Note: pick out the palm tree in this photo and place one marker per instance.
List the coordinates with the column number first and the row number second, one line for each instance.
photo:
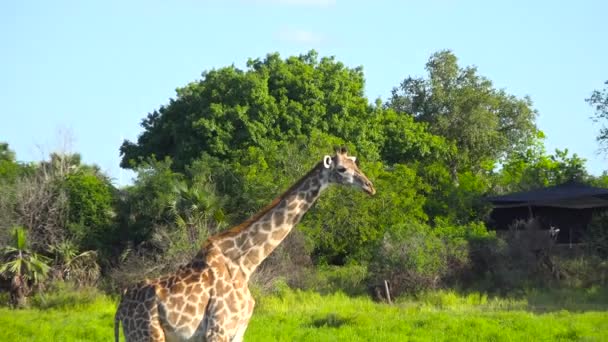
column 80, row 268
column 24, row 268
column 196, row 211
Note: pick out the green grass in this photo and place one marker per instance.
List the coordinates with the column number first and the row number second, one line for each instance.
column 290, row 315
column 438, row 316
column 92, row 321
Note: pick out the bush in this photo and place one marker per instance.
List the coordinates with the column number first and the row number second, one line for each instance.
column 417, row 257
column 411, row 258
column 62, row 295
column 597, row 234
column 526, row 256
column 349, row 279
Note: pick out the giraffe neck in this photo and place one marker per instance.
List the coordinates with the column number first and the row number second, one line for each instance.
column 248, row 244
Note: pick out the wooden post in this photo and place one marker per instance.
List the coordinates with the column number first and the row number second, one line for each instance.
column 388, row 293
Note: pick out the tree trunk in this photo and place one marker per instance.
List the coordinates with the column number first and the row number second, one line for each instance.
column 18, row 292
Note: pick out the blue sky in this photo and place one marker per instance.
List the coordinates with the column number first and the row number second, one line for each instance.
column 96, row 68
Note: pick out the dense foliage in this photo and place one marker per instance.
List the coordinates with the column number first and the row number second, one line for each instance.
column 235, row 139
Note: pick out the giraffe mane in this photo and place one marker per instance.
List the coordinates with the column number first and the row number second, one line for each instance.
column 248, row 222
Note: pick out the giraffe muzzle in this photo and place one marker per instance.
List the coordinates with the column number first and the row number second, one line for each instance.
column 369, row 188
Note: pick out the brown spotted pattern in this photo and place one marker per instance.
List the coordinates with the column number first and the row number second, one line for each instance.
column 208, row 299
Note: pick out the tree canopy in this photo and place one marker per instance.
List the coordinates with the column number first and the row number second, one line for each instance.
column 274, row 99
column 485, row 124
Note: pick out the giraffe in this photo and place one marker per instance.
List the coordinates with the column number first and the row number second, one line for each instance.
column 208, row 299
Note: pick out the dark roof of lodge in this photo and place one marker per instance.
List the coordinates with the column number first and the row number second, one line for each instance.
column 568, row 195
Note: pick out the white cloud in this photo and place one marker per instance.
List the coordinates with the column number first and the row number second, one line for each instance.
column 300, row 36
column 310, row 3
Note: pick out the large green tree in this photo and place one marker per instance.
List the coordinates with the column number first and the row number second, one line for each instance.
column 273, row 99
column 484, row 123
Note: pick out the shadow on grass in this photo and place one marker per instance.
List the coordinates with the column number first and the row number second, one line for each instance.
column 576, row 300
column 332, row 320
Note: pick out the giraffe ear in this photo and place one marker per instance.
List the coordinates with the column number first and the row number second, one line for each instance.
column 327, row 161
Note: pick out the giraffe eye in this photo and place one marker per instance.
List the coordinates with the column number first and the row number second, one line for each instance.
column 341, row 169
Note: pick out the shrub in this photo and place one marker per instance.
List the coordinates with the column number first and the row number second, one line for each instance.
column 411, row 258
column 62, row 295
column 349, row 279
column 415, row 257
column 597, row 234
column 90, row 209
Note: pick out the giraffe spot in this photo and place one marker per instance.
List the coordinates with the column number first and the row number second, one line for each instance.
column 227, row 244
column 173, row 317
column 232, row 297
column 223, row 287
column 184, row 320
column 248, row 264
column 149, row 305
column 279, row 218
column 197, row 289
column 254, row 258
column 292, row 206
column 190, row 308
column 304, row 206
column 268, row 248
column 177, row 288
column 248, row 244
column 232, row 305
column 241, row 239
column 258, row 239
column 219, row 306
column 140, row 309
column 231, row 325
column 279, row 234
column 163, row 294
column 177, row 302
column 193, row 278
column 185, row 272
column 192, row 299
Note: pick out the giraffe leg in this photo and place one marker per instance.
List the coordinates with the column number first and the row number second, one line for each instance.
column 216, row 321
column 240, row 333
column 216, row 334
column 238, row 337
column 156, row 333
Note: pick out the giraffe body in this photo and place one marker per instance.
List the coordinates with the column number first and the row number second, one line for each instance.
column 208, row 299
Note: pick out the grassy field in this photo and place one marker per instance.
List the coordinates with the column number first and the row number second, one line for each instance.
column 305, row 316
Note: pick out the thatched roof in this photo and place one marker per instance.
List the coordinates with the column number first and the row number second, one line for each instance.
column 568, row 195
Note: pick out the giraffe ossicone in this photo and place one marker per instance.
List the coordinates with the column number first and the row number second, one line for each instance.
column 208, row 299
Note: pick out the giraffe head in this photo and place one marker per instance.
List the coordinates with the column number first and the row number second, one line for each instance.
column 343, row 169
